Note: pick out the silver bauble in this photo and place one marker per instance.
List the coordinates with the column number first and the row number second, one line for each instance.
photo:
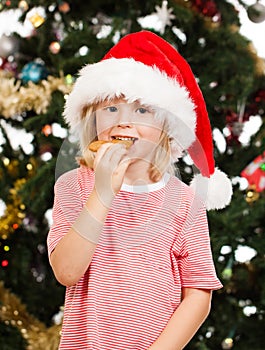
column 256, row 12
column 8, row 45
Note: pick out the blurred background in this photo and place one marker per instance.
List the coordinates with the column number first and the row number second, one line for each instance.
column 43, row 44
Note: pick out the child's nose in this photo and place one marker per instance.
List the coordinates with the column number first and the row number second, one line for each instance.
column 124, row 120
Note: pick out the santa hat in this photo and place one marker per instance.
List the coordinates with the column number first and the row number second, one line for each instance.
column 144, row 67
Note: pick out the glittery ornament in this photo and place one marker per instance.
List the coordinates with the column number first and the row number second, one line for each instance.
column 33, row 71
column 256, row 12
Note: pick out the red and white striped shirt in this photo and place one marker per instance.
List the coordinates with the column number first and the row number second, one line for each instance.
column 154, row 242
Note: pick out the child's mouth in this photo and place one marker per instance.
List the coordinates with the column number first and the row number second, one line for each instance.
column 124, row 138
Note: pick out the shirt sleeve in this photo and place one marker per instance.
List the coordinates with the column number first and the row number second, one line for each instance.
column 67, row 206
column 192, row 251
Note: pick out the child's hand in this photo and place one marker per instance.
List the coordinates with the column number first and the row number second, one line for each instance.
column 110, row 166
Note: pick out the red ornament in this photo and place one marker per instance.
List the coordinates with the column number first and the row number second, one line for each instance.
column 255, row 173
column 235, row 127
column 206, row 7
column 4, row 263
column 7, row 66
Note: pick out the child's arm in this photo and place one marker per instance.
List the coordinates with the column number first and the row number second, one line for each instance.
column 185, row 321
column 73, row 254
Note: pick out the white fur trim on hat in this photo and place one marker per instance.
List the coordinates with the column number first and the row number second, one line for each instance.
column 215, row 191
column 136, row 81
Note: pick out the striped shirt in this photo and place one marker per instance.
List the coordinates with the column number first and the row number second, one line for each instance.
column 154, row 242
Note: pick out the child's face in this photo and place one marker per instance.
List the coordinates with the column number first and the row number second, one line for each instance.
column 121, row 120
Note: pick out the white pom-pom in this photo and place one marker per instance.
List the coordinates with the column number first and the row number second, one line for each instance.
column 215, row 191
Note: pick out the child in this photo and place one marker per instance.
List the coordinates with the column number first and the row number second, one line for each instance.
column 129, row 240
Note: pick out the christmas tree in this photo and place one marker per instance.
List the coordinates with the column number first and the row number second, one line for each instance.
column 39, row 59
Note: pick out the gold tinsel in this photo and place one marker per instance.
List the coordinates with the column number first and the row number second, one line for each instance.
column 37, row 335
column 16, row 98
column 14, row 212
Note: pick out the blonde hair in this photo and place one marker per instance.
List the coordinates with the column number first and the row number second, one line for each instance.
column 162, row 161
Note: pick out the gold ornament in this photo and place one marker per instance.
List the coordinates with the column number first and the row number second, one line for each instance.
column 37, row 20
column 15, row 98
column 37, row 335
column 252, row 195
column 14, row 211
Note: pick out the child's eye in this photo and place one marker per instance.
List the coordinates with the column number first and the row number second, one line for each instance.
column 111, row 109
column 142, row 110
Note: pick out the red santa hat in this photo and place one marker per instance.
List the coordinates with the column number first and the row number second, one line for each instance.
column 144, row 67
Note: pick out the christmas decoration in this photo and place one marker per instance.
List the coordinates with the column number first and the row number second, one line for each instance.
column 23, row 5
column 164, row 16
column 255, row 173
column 8, row 66
column 16, row 99
column 47, row 130
column 235, row 123
column 33, row 71
column 251, row 195
column 207, row 8
column 37, row 335
column 14, row 213
column 8, row 45
column 256, row 12
column 37, row 20
column 64, row 7
column 55, row 47
column 227, row 343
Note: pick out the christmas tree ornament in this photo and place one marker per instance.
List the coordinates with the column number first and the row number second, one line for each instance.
column 164, row 16
column 33, row 71
column 256, row 12
column 14, row 312
column 227, row 343
column 8, row 66
column 251, row 195
column 255, row 173
column 47, row 130
column 69, row 79
column 9, row 45
column 23, row 5
column 207, row 8
column 36, row 19
column 235, row 127
column 55, row 47
column 64, row 7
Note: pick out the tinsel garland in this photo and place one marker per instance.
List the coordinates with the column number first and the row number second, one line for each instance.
column 14, row 212
column 16, row 98
column 37, row 335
